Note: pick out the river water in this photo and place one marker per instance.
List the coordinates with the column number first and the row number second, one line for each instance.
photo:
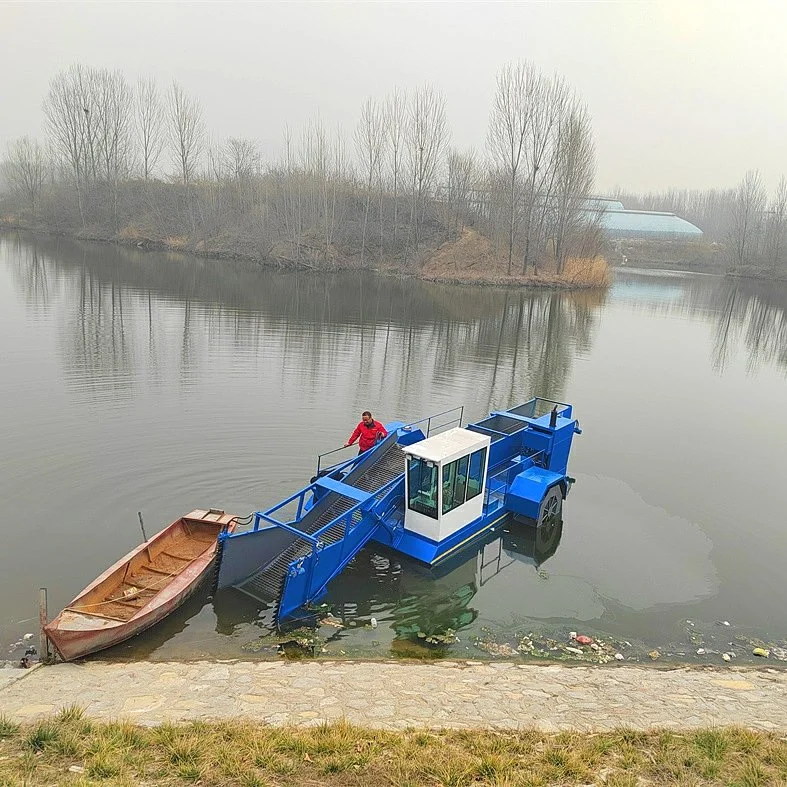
column 153, row 382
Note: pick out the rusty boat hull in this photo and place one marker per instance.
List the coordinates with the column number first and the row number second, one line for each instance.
column 142, row 588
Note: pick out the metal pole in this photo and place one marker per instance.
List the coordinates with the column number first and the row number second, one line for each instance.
column 142, row 525
column 43, row 618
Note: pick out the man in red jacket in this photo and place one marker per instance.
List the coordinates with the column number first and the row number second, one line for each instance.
column 369, row 430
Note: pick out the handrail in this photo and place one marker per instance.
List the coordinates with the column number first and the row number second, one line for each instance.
column 495, row 477
column 347, row 462
column 429, row 418
column 328, row 453
column 345, row 519
column 350, row 511
column 312, row 539
column 551, row 401
column 266, row 515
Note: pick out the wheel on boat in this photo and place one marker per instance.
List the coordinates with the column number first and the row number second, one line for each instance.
column 551, row 512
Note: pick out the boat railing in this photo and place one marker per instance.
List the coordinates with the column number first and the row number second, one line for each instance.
column 288, row 526
column 452, row 417
column 498, row 483
column 266, row 516
column 348, row 521
column 539, row 406
column 345, row 520
column 333, row 451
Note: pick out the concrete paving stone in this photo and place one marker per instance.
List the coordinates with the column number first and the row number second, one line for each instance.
column 393, row 695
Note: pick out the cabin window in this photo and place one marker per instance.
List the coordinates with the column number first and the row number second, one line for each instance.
column 475, row 475
column 422, row 486
column 454, row 483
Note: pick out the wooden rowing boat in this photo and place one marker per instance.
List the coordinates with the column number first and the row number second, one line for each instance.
column 141, row 588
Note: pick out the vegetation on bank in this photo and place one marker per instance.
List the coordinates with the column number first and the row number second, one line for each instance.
column 72, row 750
column 745, row 228
column 451, row 262
column 133, row 164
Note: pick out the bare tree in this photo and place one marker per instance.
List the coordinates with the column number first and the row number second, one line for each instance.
column 241, row 162
column 549, row 102
column 149, row 125
column 508, row 128
column 777, row 222
column 395, row 126
column 67, row 117
column 341, row 173
column 747, row 209
column 462, row 176
column 427, row 137
column 241, row 158
column 369, row 147
column 113, row 101
column 186, row 132
column 574, row 176
column 25, row 167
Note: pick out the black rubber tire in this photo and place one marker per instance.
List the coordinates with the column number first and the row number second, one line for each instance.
column 551, row 511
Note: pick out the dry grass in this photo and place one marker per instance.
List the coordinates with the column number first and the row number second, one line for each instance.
column 176, row 242
column 131, row 233
column 589, row 272
column 471, row 259
column 247, row 755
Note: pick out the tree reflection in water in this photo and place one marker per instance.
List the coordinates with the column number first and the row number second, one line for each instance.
column 407, row 334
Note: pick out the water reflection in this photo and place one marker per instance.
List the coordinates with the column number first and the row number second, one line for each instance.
column 417, row 601
column 744, row 313
column 158, row 382
column 755, row 311
column 409, row 596
column 513, row 344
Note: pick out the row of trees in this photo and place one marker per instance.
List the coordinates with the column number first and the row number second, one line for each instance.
column 136, row 159
column 750, row 223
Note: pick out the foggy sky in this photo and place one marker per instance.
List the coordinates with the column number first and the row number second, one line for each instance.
column 686, row 93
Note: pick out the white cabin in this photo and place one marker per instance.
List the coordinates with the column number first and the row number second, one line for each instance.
column 445, row 482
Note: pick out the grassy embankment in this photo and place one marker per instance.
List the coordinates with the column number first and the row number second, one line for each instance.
column 71, row 750
column 470, row 259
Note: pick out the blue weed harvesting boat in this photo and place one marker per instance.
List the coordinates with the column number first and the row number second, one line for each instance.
column 428, row 490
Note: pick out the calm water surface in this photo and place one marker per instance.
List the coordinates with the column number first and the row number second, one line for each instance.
column 140, row 381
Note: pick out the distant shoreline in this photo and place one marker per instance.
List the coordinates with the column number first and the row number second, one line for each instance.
column 549, row 282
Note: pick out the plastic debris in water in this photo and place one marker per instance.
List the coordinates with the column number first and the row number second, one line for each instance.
column 726, row 657
column 762, row 652
column 654, row 654
column 779, row 653
column 700, row 651
column 583, row 640
column 575, row 651
column 27, row 636
column 619, row 657
column 373, row 621
column 572, row 634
